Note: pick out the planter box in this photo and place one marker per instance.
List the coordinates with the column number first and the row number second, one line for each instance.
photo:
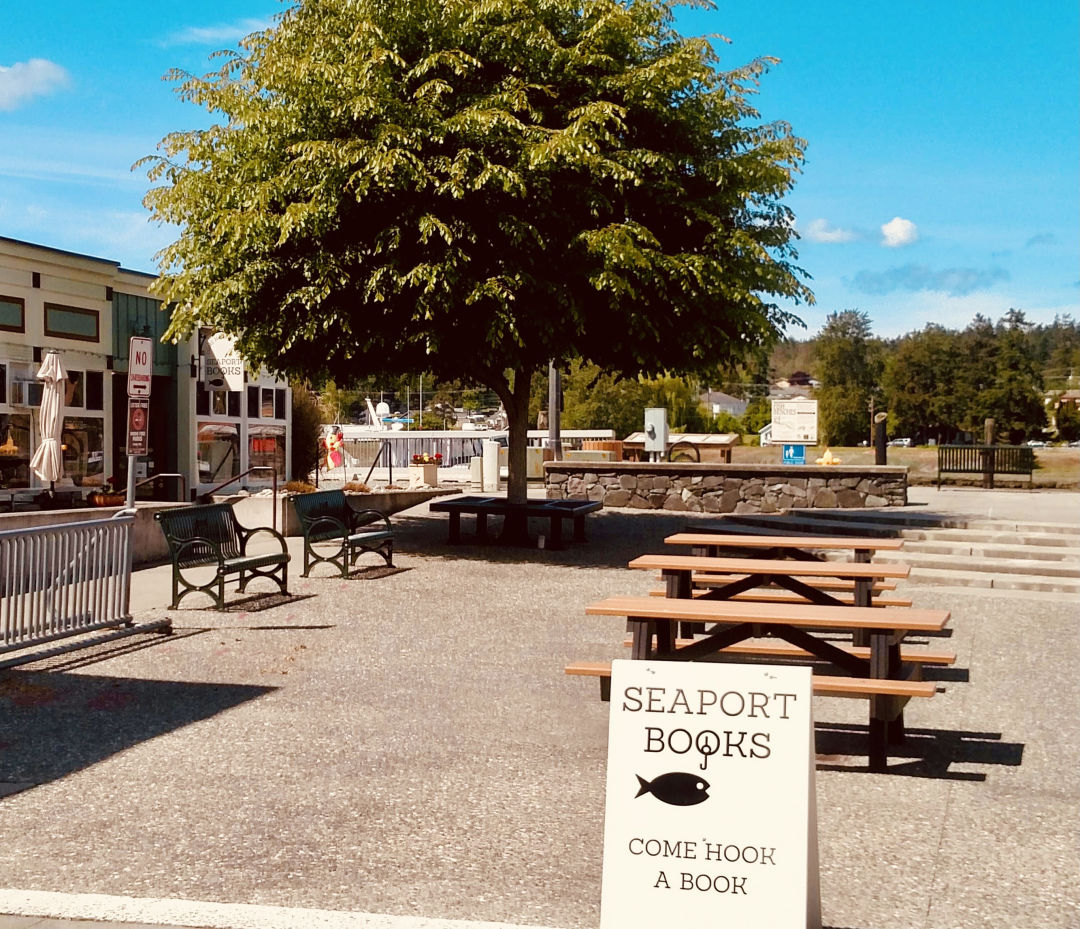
column 424, row 474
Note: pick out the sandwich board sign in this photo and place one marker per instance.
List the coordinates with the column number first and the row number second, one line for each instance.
column 710, row 817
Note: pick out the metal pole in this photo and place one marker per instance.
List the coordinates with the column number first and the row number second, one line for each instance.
column 554, row 424
column 130, row 496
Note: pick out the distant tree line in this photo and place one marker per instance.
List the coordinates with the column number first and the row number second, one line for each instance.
column 935, row 384
column 943, row 384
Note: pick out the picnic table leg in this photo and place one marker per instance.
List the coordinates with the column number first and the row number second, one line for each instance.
column 555, row 530
column 481, row 526
column 886, row 713
column 678, row 587
column 642, row 630
column 579, row 528
column 455, row 531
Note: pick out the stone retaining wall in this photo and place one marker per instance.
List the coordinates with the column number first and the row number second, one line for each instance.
column 718, row 488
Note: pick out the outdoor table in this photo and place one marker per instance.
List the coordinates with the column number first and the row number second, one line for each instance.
column 800, row 547
column 554, row 511
column 679, row 570
column 883, row 676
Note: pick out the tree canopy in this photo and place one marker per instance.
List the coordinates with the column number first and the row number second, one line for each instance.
column 475, row 188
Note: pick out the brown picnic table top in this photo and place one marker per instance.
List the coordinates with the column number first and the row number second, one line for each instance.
column 750, row 573
column 767, row 566
column 805, row 546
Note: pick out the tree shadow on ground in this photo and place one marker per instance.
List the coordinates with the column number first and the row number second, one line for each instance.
column 613, row 539
column 924, row 752
column 55, row 723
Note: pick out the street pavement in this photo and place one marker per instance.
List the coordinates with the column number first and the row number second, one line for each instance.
column 401, row 750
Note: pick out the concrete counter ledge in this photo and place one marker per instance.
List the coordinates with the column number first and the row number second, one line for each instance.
column 707, row 487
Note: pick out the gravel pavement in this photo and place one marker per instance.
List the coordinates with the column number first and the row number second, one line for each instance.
column 405, row 743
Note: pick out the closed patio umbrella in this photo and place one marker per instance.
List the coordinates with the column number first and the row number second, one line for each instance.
column 48, row 463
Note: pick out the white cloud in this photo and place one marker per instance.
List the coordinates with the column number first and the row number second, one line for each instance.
column 27, row 79
column 228, row 33
column 898, row 232
column 820, row 231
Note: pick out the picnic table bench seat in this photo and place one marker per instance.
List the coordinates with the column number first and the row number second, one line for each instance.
column 825, row 685
column 209, row 535
column 779, row 595
column 326, row 516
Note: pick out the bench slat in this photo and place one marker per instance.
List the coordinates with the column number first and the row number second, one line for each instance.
column 719, row 580
column 781, row 649
column 845, row 569
column 793, row 614
column 783, row 541
column 781, row 596
column 823, row 684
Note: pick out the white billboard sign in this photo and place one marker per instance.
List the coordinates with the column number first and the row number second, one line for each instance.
column 794, row 421
column 710, row 815
column 223, row 368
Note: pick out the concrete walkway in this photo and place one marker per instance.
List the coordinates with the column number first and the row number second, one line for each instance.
column 401, row 750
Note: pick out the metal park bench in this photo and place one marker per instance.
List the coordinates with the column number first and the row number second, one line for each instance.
column 327, row 516
column 211, row 536
column 988, row 460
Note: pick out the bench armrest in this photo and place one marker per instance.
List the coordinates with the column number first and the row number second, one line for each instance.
column 358, row 519
column 247, row 534
column 311, row 525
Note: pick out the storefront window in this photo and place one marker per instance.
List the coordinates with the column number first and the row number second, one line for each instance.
column 266, row 449
column 73, row 389
column 219, row 452
column 14, row 450
column 83, row 450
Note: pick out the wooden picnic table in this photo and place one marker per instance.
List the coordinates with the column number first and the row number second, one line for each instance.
column 554, row 511
column 879, row 672
column 801, row 547
column 748, row 573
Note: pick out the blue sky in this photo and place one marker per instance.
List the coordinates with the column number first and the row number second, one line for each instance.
column 943, row 164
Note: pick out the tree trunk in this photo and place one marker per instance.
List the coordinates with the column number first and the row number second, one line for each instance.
column 516, row 525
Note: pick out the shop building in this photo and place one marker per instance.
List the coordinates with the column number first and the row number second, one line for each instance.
column 87, row 309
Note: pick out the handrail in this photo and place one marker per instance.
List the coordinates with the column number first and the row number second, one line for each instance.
column 273, row 472
column 154, row 477
column 378, row 455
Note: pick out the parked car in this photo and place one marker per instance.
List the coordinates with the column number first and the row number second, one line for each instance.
column 1036, row 443
column 902, row 443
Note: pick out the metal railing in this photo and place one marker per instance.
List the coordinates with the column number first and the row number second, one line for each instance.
column 232, row 480
column 65, row 580
column 156, row 477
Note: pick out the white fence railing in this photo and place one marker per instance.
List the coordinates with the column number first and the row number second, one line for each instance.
column 65, row 580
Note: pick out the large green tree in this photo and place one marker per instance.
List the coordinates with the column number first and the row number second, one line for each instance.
column 922, row 383
column 474, row 188
column 849, row 367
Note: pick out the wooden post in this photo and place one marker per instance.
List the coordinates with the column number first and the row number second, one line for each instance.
column 988, row 454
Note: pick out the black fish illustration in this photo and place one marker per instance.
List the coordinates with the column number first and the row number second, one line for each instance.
column 676, row 788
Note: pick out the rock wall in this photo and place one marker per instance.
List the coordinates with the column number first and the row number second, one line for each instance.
column 718, row 488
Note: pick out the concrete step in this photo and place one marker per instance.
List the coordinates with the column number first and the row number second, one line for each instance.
column 977, row 536
column 999, row 567
column 933, row 577
column 974, row 548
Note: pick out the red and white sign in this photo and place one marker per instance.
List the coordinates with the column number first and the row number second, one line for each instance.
column 138, row 425
column 140, row 366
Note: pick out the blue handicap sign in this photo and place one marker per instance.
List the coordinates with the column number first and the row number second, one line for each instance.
column 794, row 454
